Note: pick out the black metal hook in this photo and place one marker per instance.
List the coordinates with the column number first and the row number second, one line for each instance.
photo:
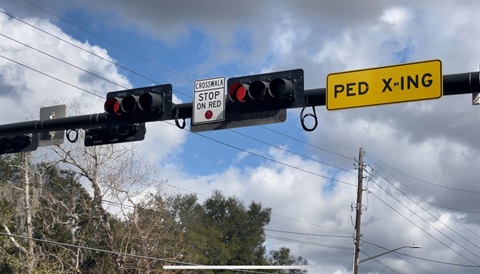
column 176, row 120
column 69, row 131
column 302, row 119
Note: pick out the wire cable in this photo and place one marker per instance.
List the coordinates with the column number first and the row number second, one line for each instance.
column 105, row 59
column 110, row 42
column 323, row 138
column 424, row 231
column 423, row 259
column 277, row 161
column 429, row 213
column 96, row 249
column 312, row 224
column 303, row 142
column 53, row 77
column 291, row 152
column 307, row 234
column 113, row 252
column 375, row 160
column 65, row 62
column 85, row 50
column 204, row 136
column 307, row 242
column 381, row 263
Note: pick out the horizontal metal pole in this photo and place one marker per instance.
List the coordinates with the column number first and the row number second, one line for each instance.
column 453, row 84
column 74, row 122
column 461, row 83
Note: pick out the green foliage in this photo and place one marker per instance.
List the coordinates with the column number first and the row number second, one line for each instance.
column 9, row 170
column 220, row 231
column 223, row 231
column 282, row 256
column 10, row 174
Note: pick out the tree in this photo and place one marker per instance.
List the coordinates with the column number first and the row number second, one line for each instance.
column 63, row 217
column 282, row 256
column 70, row 202
column 151, row 231
column 222, row 231
column 118, row 177
column 18, row 191
column 43, row 202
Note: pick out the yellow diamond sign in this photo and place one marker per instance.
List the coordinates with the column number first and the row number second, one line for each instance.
column 385, row 85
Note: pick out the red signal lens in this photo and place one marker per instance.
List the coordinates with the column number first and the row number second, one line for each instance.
column 112, row 106
column 237, row 92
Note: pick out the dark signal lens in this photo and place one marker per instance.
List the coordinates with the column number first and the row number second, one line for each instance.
column 281, row 88
column 257, row 90
column 150, row 101
column 129, row 104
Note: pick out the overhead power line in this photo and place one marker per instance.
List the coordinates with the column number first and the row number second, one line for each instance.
column 117, row 45
column 424, row 259
column 308, row 243
column 381, row 263
column 276, row 161
column 375, row 160
column 107, row 60
column 85, row 50
column 53, row 77
column 65, row 62
column 291, row 152
column 424, row 231
column 428, row 212
column 308, row 234
column 112, row 252
column 97, row 249
column 306, row 143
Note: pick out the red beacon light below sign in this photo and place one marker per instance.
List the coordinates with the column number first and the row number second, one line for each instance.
column 208, row 114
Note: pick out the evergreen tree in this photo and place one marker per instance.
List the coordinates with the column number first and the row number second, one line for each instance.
column 222, row 231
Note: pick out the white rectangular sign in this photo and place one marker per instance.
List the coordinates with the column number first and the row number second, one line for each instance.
column 209, row 101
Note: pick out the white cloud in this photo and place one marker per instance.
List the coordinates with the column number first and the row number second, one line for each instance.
column 395, row 16
column 25, row 85
column 35, row 74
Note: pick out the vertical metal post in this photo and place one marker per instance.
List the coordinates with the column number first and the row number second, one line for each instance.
column 359, row 211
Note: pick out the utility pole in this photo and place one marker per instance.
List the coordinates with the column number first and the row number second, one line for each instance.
column 358, row 217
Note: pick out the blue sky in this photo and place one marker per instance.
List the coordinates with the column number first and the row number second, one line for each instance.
column 428, row 150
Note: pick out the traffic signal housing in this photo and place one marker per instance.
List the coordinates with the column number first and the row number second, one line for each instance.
column 128, row 110
column 18, row 143
column 260, row 99
column 265, row 92
column 140, row 105
column 114, row 134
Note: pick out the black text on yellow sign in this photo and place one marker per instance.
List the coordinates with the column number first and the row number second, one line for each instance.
column 385, row 85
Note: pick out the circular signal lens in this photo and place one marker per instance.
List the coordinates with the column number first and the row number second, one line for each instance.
column 129, row 104
column 112, row 106
column 150, row 101
column 145, row 101
column 257, row 90
column 281, row 88
column 237, row 92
